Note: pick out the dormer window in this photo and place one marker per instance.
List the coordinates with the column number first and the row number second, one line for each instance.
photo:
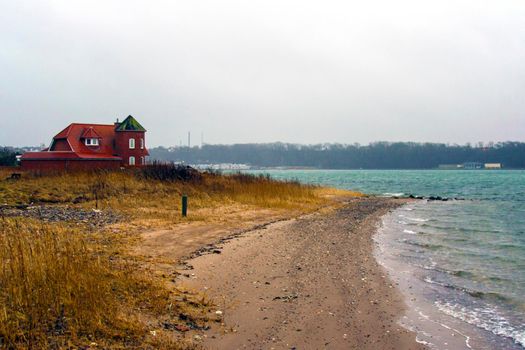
column 91, row 142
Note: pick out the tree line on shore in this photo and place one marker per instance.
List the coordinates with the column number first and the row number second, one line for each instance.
column 377, row 155
column 8, row 156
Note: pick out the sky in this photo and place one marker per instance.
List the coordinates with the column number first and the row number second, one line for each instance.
column 295, row 71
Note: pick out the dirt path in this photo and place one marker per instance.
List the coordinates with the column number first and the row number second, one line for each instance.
column 310, row 283
column 163, row 249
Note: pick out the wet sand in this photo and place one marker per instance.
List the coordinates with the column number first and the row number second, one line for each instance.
column 306, row 283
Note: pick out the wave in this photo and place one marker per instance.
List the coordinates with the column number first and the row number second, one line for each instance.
column 418, row 219
column 473, row 276
column 488, row 318
column 389, row 194
column 466, row 233
column 419, row 244
column 473, row 293
column 461, row 273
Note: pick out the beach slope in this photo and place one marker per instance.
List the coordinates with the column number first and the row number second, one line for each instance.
column 307, row 283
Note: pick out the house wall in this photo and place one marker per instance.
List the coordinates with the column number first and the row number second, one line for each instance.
column 69, row 164
column 122, row 146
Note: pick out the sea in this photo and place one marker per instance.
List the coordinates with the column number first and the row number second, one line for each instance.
column 459, row 263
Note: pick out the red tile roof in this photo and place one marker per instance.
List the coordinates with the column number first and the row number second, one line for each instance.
column 75, row 134
column 59, row 155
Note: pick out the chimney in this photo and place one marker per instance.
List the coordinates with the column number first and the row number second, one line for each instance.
column 117, row 123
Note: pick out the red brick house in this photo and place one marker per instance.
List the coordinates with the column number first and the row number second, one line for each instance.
column 92, row 146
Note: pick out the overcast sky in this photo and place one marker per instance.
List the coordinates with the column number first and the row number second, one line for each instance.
column 262, row 71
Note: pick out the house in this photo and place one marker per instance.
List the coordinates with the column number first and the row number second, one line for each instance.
column 491, row 166
column 473, row 165
column 92, row 146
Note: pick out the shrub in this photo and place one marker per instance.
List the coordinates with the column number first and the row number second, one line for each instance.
column 169, row 172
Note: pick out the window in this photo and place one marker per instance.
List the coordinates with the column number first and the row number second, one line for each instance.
column 131, row 160
column 142, row 161
column 141, row 143
column 91, row 142
column 131, row 143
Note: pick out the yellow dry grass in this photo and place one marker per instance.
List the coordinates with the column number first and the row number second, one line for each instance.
column 64, row 286
column 61, row 288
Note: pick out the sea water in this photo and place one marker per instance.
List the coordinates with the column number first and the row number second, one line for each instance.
column 461, row 262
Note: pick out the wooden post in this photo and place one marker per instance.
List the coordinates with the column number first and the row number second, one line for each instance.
column 184, row 205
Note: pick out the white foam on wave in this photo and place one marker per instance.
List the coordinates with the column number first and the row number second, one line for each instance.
column 389, row 194
column 410, row 232
column 485, row 318
column 417, row 219
column 430, row 280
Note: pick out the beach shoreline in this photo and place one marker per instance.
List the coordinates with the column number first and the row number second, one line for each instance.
column 309, row 282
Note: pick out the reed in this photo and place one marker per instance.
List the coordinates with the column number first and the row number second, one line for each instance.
column 155, row 192
column 60, row 288
column 67, row 286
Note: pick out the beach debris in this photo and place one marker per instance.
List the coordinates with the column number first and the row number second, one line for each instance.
column 215, row 248
column 436, row 198
column 286, row 298
column 187, row 325
column 218, row 313
column 182, row 328
column 94, row 218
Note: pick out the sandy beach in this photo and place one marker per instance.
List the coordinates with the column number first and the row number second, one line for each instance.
column 305, row 283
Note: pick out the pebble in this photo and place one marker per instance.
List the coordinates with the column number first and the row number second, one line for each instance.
column 54, row 213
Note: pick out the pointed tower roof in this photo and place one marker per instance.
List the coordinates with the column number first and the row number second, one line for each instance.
column 130, row 124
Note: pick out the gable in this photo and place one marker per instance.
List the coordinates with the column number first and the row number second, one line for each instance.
column 90, row 133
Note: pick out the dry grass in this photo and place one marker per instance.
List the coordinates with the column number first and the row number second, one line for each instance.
column 63, row 286
column 159, row 201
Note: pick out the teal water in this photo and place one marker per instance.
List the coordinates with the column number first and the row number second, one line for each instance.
column 468, row 255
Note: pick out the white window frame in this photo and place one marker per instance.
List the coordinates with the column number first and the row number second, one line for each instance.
column 91, row 142
column 141, row 143
column 131, row 143
column 131, row 160
column 142, row 160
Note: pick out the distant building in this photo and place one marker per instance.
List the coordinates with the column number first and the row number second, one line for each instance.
column 222, row 166
column 493, row 166
column 92, row 146
column 450, row 166
column 473, row 165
